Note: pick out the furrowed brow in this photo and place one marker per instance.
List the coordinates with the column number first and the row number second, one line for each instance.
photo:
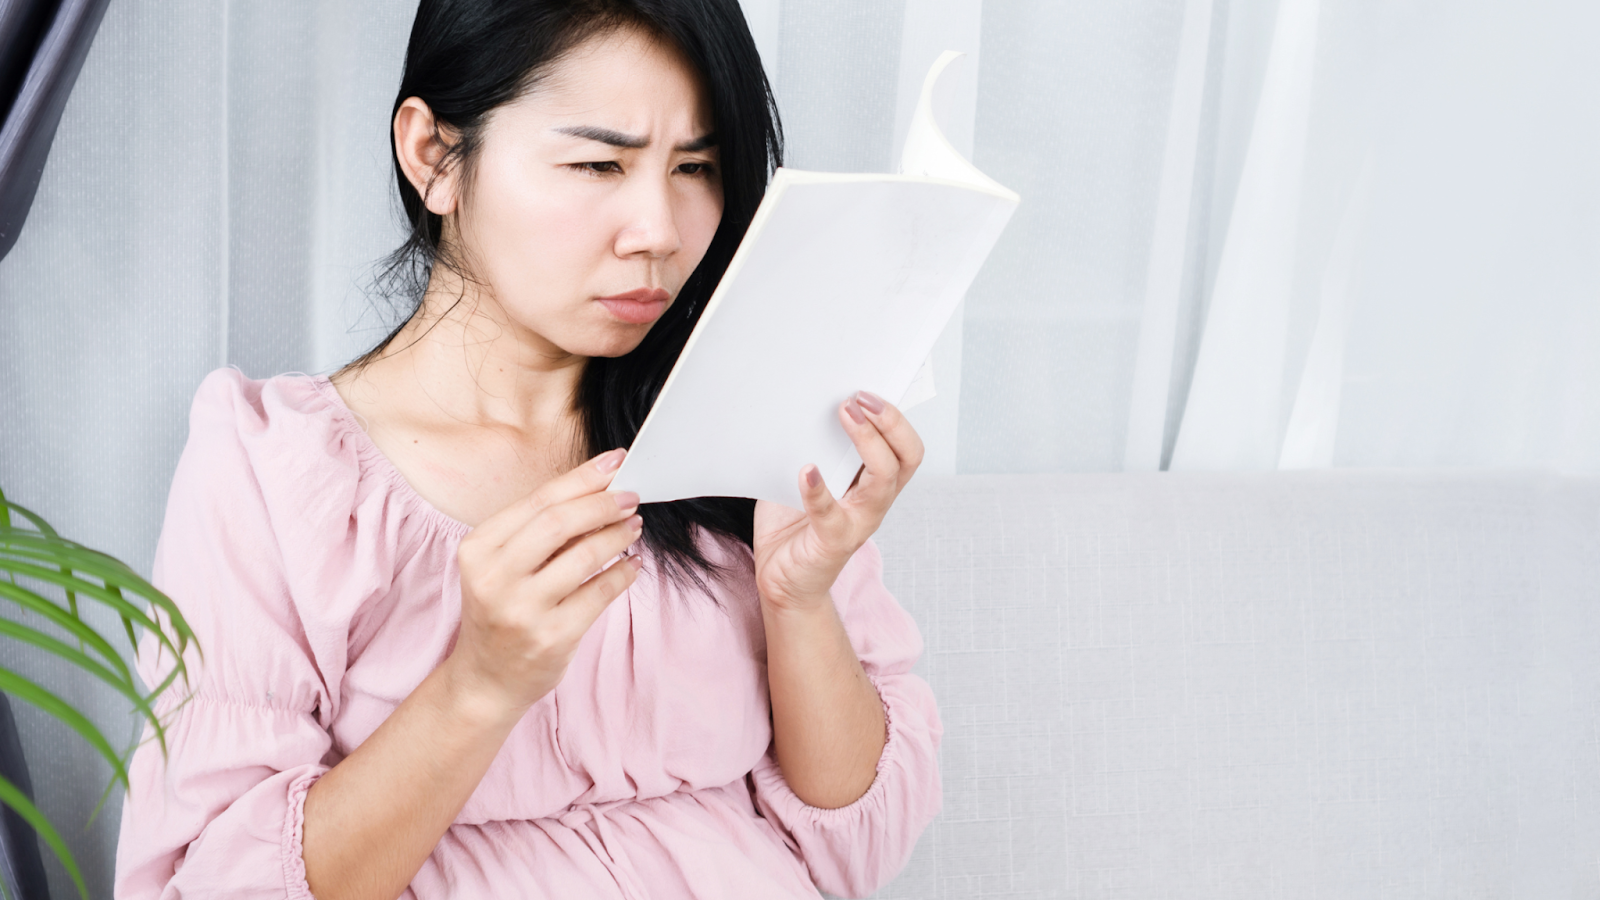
column 605, row 136
column 631, row 142
column 703, row 142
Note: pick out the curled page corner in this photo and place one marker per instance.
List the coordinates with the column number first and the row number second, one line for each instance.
column 921, row 389
column 928, row 152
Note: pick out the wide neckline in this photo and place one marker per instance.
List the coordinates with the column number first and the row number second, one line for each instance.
column 374, row 457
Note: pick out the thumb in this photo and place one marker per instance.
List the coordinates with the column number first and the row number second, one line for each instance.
column 828, row 519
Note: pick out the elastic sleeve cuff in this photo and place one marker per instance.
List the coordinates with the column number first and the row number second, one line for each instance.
column 856, row 849
column 294, row 863
column 795, row 812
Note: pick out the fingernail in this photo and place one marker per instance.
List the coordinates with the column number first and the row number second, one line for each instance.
column 814, row 475
column 854, row 412
column 627, row 500
column 637, row 562
column 872, row 403
column 636, row 524
column 610, row 460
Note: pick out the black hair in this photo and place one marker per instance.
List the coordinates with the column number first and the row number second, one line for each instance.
column 466, row 58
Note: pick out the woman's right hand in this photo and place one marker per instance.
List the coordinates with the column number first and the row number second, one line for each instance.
column 526, row 601
column 527, row 595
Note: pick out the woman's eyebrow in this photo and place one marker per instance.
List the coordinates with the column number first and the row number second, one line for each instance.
column 703, row 142
column 632, row 142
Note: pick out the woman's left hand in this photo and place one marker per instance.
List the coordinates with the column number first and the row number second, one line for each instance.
column 799, row 554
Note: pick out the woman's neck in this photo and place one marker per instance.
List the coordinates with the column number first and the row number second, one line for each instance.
column 461, row 360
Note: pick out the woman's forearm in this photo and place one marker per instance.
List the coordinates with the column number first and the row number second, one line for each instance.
column 372, row 820
column 827, row 718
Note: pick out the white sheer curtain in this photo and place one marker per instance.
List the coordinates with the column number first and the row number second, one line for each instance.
column 1254, row 234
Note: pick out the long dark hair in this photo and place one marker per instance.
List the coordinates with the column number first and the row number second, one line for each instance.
column 467, row 57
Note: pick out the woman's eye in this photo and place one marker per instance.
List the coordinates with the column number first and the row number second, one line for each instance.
column 697, row 168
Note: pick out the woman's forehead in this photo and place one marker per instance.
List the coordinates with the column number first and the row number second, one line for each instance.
column 624, row 80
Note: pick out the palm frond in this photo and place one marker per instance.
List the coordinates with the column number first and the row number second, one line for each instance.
column 48, row 576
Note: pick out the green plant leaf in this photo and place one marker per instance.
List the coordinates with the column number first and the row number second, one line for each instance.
column 76, row 627
column 116, row 581
column 39, row 553
column 74, row 554
column 24, row 548
column 124, row 686
column 100, row 593
column 13, row 797
column 127, row 623
column 25, row 690
column 33, row 518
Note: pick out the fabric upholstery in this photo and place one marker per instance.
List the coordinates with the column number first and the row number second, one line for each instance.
column 1325, row 685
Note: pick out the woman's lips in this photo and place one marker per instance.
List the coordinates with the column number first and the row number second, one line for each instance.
column 639, row 307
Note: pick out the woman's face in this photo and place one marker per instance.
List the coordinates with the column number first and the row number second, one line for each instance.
column 594, row 196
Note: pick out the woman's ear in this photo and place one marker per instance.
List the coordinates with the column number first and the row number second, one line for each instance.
column 419, row 143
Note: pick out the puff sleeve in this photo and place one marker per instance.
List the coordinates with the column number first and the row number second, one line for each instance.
column 254, row 489
column 854, row 850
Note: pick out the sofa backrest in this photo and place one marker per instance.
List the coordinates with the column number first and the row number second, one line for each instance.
column 1330, row 685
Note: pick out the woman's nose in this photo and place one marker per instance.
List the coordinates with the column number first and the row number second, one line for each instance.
column 651, row 228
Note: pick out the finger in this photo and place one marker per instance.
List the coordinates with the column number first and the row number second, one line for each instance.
column 896, row 429
column 587, row 602
column 589, row 478
column 565, row 571
column 559, row 527
column 879, row 480
column 830, row 521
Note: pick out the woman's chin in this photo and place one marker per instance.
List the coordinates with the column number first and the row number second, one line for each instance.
column 619, row 340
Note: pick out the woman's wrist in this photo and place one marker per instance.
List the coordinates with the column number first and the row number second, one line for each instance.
column 472, row 701
column 802, row 606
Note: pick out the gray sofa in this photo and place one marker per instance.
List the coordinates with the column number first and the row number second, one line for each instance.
column 1324, row 685
column 1319, row 685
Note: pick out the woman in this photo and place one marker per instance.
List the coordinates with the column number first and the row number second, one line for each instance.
column 433, row 666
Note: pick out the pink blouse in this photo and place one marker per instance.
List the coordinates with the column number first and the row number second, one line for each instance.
column 323, row 589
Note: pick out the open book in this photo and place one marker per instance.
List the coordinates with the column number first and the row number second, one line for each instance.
column 843, row 282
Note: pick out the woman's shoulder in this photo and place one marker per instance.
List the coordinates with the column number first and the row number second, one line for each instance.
column 279, row 478
column 291, row 441
column 285, row 443
column 280, row 423
column 230, row 404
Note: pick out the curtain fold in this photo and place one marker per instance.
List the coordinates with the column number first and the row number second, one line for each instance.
column 42, row 47
column 1169, row 247
column 23, row 867
column 1232, row 418
column 1309, row 436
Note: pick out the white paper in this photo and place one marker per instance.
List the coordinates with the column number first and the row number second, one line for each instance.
column 843, row 283
column 922, row 389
